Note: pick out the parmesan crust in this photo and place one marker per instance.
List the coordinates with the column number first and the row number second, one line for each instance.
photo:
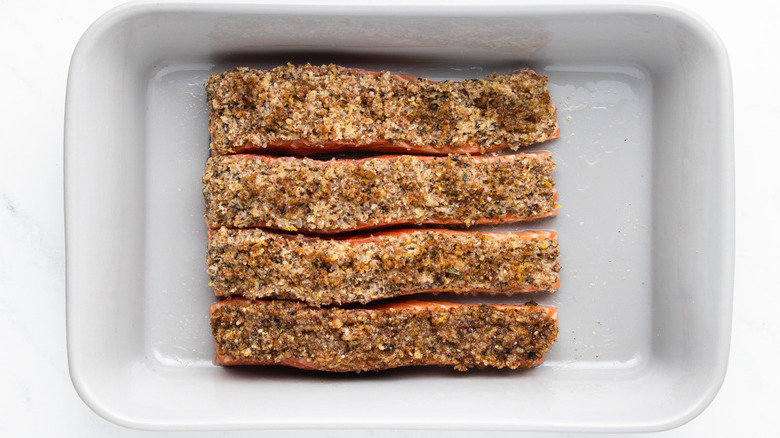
column 320, row 271
column 348, row 340
column 259, row 110
column 340, row 195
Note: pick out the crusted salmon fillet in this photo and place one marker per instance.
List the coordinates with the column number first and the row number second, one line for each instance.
column 408, row 333
column 301, row 194
column 305, row 110
column 257, row 263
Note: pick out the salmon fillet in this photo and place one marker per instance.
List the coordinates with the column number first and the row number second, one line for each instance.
column 324, row 271
column 305, row 110
column 301, row 194
column 260, row 332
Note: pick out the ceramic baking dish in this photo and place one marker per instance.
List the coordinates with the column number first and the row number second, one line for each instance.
column 646, row 182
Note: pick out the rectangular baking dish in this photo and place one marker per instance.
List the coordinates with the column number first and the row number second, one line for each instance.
column 646, row 181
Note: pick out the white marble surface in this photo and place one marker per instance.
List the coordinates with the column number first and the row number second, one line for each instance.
column 36, row 395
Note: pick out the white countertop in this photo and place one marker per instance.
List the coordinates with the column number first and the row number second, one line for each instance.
column 36, row 395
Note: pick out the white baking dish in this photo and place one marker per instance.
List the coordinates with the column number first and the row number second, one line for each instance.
column 646, row 227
